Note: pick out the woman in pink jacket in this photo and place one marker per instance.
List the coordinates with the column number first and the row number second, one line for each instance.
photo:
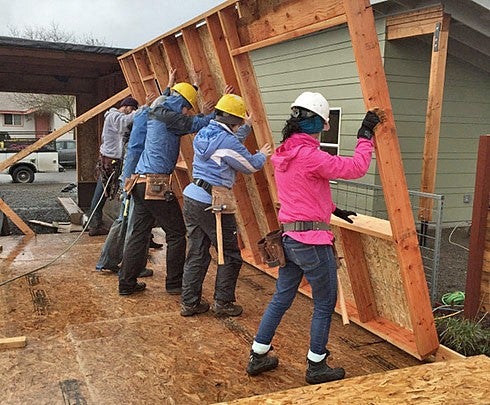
column 302, row 173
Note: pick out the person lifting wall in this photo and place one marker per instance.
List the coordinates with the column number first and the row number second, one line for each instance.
column 302, row 174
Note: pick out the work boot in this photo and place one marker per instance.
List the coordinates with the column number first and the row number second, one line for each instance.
column 137, row 288
column 258, row 363
column 198, row 308
column 320, row 372
column 146, row 273
column 221, row 308
column 98, row 230
column 174, row 290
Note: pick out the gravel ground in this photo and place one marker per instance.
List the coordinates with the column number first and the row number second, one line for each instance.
column 39, row 200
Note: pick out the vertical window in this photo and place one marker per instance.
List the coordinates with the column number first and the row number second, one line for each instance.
column 12, row 119
column 329, row 140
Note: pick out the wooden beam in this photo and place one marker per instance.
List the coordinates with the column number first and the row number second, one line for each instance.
column 15, row 218
column 360, row 280
column 248, row 220
column 480, row 231
column 374, row 87
column 251, row 93
column 158, row 65
column 308, row 29
column 195, row 48
column 414, row 23
column 12, row 343
column 364, row 224
column 172, row 50
column 64, row 129
column 130, row 71
column 145, row 72
column 433, row 116
column 72, row 209
column 267, row 20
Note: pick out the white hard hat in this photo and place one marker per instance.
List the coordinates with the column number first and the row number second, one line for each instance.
column 314, row 102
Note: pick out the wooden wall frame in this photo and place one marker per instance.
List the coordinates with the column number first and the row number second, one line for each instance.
column 217, row 44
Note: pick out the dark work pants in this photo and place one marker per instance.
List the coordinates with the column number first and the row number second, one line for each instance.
column 201, row 232
column 147, row 214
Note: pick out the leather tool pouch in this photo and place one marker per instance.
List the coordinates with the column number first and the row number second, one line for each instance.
column 158, row 187
column 271, row 249
column 223, row 196
column 130, row 182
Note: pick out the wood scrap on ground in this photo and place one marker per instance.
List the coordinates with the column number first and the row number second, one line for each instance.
column 13, row 342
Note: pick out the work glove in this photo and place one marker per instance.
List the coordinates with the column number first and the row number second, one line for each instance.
column 343, row 214
column 372, row 118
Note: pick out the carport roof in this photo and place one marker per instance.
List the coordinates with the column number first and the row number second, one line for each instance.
column 55, row 68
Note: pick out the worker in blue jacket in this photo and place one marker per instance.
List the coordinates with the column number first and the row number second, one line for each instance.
column 154, row 202
column 218, row 155
column 112, row 251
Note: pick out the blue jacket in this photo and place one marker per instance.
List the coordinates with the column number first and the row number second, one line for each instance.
column 166, row 124
column 218, row 155
column 135, row 144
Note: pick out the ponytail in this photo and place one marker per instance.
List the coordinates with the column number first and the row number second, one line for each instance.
column 292, row 127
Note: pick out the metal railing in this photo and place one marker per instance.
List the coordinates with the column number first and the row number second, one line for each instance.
column 368, row 199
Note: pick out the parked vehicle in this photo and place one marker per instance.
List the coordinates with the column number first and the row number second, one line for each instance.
column 67, row 152
column 23, row 171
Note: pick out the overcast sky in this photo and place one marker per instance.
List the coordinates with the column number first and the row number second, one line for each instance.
column 116, row 23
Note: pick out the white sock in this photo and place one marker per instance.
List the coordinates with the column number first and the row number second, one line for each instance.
column 315, row 357
column 260, row 348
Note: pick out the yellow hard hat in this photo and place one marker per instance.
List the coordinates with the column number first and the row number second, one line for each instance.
column 187, row 91
column 232, row 104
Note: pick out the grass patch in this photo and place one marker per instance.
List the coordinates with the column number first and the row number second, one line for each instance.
column 466, row 336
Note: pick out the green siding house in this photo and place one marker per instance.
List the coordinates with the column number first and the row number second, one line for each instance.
column 324, row 62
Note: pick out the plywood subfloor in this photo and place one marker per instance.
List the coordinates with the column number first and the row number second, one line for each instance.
column 88, row 345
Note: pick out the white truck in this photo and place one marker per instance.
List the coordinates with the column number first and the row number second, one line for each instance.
column 23, row 171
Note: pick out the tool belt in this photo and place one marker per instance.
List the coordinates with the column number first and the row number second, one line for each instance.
column 109, row 170
column 223, row 197
column 158, row 186
column 130, row 182
column 271, row 249
column 300, row 226
column 203, row 184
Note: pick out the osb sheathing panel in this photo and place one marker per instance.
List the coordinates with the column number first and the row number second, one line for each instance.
column 86, row 342
column 384, row 271
column 459, row 382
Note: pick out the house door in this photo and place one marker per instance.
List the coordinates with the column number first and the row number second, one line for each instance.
column 42, row 125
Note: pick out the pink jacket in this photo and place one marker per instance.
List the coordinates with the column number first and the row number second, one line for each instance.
column 302, row 173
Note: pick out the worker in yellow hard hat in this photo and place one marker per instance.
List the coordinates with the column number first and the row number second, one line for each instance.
column 218, row 155
column 154, row 201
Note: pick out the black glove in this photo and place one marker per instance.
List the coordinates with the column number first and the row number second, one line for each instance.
column 370, row 120
column 343, row 214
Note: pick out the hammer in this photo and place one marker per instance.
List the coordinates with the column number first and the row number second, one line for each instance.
column 217, row 209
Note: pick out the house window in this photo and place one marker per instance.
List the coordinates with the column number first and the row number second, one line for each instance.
column 329, row 140
column 12, row 119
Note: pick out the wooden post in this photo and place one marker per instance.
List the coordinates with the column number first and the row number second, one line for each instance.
column 374, row 87
column 433, row 117
column 480, row 236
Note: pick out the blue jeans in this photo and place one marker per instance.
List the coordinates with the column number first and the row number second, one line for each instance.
column 317, row 263
column 112, row 251
column 95, row 209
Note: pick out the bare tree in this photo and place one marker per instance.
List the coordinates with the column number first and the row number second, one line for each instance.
column 53, row 33
column 62, row 106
